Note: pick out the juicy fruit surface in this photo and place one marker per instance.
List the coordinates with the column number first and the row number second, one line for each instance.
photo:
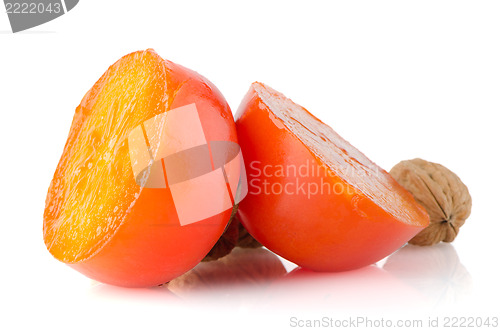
column 338, row 155
column 341, row 213
column 93, row 188
column 102, row 216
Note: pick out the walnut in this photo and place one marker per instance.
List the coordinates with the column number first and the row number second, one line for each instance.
column 235, row 235
column 441, row 193
column 227, row 241
column 245, row 239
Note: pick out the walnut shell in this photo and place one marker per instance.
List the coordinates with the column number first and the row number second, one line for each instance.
column 235, row 235
column 245, row 239
column 227, row 241
column 443, row 195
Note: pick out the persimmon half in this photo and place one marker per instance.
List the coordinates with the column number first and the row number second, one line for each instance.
column 148, row 176
column 313, row 198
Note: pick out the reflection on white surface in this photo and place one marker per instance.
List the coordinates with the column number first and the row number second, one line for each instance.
column 434, row 271
column 253, row 268
column 413, row 278
column 367, row 289
column 235, row 280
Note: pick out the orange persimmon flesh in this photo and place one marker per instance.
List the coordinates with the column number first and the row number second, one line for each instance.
column 97, row 219
column 343, row 213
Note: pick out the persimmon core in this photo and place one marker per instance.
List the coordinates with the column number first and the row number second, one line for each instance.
column 93, row 188
column 341, row 158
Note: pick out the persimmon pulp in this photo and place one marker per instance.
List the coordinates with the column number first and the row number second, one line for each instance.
column 344, row 212
column 97, row 218
column 90, row 193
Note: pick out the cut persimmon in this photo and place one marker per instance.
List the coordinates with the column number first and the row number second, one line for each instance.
column 313, row 198
column 148, row 177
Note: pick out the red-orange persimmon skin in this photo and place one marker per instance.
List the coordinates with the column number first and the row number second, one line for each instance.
column 97, row 219
column 363, row 217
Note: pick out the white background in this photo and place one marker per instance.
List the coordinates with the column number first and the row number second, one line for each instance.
column 397, row 79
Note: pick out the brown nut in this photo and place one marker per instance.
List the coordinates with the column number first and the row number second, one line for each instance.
column 227, row 241
column 441, row 193
column 235, row 235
